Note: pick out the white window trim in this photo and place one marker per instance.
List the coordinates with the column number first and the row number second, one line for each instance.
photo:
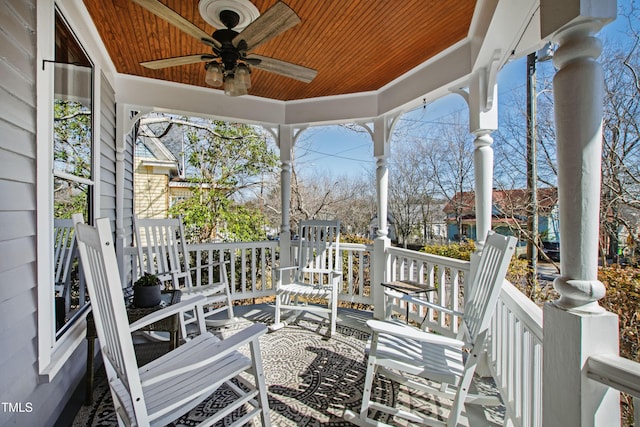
column 54, row 353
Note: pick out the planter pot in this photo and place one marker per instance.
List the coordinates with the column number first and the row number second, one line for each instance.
column 146, row 296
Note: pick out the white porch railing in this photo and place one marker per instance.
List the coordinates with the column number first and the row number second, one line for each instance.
column 514, row 349
column 515, row 356
column 445, row 274
column 357, row 270
column 618, row 373
column 250, row 269
column 250, row 266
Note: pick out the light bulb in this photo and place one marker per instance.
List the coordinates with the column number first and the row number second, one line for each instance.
column 230, row 86
column 214, row 76
column 243, row 75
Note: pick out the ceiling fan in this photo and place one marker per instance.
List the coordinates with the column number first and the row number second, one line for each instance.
column 230, row 62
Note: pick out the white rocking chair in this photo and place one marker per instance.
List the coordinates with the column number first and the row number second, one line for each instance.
column 317, row 275
column 170, row 386
column 64, row 255
column 162, row 252
column 410, row 356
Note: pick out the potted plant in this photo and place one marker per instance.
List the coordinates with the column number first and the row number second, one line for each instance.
column 146, row 291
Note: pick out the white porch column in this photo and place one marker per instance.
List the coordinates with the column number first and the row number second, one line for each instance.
column 575, row 326
column 285, row 142
column 482, row 100
column 483, row 119
column 381, row 151
column 483, row 181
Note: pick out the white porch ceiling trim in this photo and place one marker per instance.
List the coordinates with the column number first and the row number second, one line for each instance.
column 499, row 27
column 431, row 80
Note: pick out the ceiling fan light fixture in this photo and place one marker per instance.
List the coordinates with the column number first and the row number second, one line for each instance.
column 243, row 76
column 240, row 91
column 232, row 88
column 214, row 76
column 240, row 28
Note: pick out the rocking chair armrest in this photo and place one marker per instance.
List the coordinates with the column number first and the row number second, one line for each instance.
column 181, row 307
column 410, row 332
column 280, row 270
column 165, row 273
column 221, row 349
column 421, row 302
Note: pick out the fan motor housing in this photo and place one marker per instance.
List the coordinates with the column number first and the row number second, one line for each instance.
column 228, row 52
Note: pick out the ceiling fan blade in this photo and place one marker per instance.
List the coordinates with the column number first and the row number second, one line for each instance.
column 179, row 60
column 177, row 20
column 277, row 19
column 284, row 68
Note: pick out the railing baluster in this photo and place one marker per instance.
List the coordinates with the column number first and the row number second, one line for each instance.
column 243, row 270
column 515, row 358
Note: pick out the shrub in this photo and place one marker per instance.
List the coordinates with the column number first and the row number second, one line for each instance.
column 354, row 238
column 518, row 275
column 461, row 251
column 623, row 299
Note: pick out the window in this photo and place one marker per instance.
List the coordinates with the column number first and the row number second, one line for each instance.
column 72, row 168
column 66, row 177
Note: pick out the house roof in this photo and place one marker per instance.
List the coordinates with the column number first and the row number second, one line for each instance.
column 152, row 152
column 505, row 202
column 155, row 148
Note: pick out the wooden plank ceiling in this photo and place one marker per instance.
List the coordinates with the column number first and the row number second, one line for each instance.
column 356, row 45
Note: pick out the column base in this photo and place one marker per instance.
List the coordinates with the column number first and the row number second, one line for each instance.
column 569, row 397
column 579, row 296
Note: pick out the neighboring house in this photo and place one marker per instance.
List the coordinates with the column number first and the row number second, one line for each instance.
column 427, row 222
column 154, row 168
column 157, row 179
column 509, row 214
column 435, row 228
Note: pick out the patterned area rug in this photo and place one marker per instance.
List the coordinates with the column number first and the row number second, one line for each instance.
column 311, row 379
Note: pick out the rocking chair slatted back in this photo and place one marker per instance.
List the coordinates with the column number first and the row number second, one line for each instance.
column 64, row 249
column 160, row 250
column 493, row 264
column 318, row 247
column 105, row 290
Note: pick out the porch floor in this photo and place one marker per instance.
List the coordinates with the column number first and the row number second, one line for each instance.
column 313, row 379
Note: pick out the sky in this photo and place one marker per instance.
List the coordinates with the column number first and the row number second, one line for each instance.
column 337, row 152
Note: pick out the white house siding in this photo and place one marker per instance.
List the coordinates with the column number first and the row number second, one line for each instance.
column 107, row 152
column 151, row 189
column 26, row 400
